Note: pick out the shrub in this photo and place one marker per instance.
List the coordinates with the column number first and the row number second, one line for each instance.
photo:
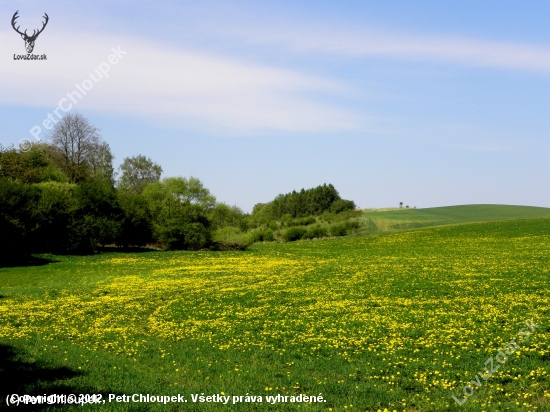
column 257, row 235
column 286, row 219
column 303, row 221
column 97, row 218
column 328, row 217
column 263, row 235
column 294, row 233
column 136, row 225
column 347, row 215
column 16, row 218
column 342, row 205
column 179, row 208
column 231, row 238
column 224, row 215
column 353, row 225
column 188, row 229
column 344, row 228
column 55, row 217
column 315, row 232
column 339, row 229
column 268, row 235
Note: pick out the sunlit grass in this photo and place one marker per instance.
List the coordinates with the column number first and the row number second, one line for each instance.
column 397, row 220
column 401, row 322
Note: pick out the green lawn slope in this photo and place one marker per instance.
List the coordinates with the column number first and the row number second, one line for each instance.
column 400, row 322
column 397, row 220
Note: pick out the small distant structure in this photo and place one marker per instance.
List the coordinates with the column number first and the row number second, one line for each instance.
column 400, row 205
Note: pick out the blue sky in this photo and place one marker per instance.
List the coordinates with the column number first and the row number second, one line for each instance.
column 425, row 102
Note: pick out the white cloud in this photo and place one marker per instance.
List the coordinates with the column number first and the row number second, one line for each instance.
column 180, row 85
column 354, row 42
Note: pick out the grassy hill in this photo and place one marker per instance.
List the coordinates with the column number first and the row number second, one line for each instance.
column 402, row 322
column 397, row 220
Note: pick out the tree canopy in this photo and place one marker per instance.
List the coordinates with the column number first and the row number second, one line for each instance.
column 138, row 172
column 61, row 196
column 79, row 149
column 308, row 202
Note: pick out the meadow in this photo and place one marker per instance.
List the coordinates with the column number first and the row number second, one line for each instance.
column 398, row 220
column 394, row 322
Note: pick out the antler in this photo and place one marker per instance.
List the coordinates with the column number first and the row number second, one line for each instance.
column 34, row 33
column 43, row 25
column 15, row 17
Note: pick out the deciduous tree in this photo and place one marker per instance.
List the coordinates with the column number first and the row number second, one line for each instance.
column 77, row 143
column 138, row 172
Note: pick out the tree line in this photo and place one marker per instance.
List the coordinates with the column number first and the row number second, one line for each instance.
column 310, row 202
column 64, row 196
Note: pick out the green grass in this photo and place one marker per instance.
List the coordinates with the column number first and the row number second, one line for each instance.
column 401, row 321
column 397, row 220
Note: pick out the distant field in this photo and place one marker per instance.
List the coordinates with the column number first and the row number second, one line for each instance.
column 400, row 322
column 397, row 220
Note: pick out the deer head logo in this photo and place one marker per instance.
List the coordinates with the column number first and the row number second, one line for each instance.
column 29, row 40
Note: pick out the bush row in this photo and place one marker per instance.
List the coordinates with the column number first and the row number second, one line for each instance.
column 317, row 231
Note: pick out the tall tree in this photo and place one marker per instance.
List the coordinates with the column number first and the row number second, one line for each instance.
column 101, row 164
column 180, row 208
column 76, row 142
column 138, row 172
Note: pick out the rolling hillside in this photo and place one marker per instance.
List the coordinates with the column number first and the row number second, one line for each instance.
column 397, row 220
column 402, row 322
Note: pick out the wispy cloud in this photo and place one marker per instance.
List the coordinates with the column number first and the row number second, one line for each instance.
column 359, row 42
column 181, row 84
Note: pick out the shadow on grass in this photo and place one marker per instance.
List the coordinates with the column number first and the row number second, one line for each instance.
column 26, row 261
column 111, row 249
column 33, row 378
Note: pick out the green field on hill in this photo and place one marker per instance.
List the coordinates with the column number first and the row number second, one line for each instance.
column 398, row 322
column 396, row 220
